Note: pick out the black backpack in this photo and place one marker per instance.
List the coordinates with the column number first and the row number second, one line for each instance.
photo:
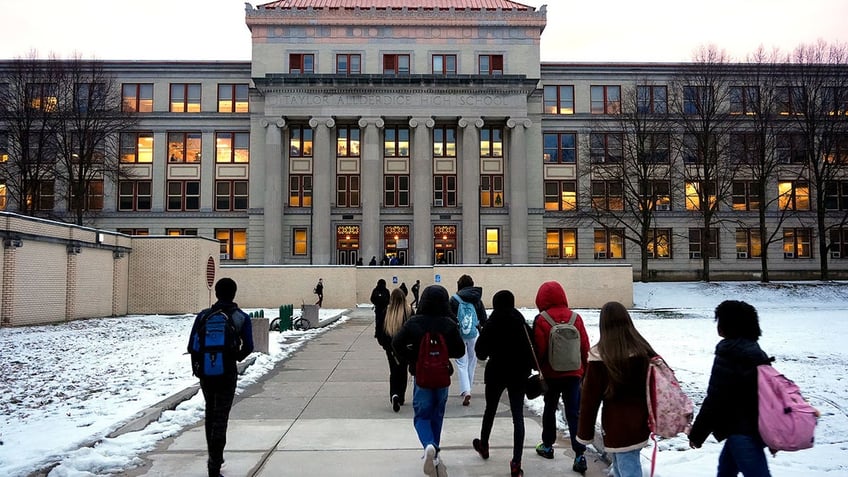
column 214, row 343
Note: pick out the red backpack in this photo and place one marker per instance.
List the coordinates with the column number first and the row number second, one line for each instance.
column 433, row 368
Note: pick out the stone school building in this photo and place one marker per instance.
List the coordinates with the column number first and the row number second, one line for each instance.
column 424, row 135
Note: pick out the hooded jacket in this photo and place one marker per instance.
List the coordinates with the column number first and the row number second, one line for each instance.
column 505, row 342
column 472, row 295
column 380, row 299
column 551, row 298
column 433, row 316
column 731, row 403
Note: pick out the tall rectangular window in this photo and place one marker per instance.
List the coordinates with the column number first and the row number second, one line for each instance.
column 300, row 242
column 745, row 196
column 791, row 148
column 796, row 243
column 348, row 64
column 137, row 97
column 609, row 243
column 651, row 99
column 561, row 243
column 232, row 147
column 231, row 195
column 697, row 100
column 4, row 191
column 694, row 193
column 444, row 65
column 793, row 195
column 134, row 195
column 744, row 100
column 607, row 195
column 396, row 142
column 92, row 198
column 184, row 146
column 749, row 243
column 606, row 147
column 137, row 147
column 444, row 190
column 491, row 191
column 347, row 141
column 491, row 142
column 89, row 97
column 699, row 245
column 559, row 99
column 744, row 148
column 560, row 195
column 790, row 100
column 300, row 141
column 347, row 190
column 560, row 148
column 42, row 194
column 183, row 195
column 659, row 243
column 394, row 64
column 233, row 243
column 185, row 98
column 444, row 141
column 491, row 65
column 42, row 96
column 657, row 194
column 396, row 190
column 493, row 241
column 605, row 99
column 300, row 190
column 836, row 195
column 839, row 243
column 301, row 63
column 233, row 98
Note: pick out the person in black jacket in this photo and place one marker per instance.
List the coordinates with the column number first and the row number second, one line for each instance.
column 730, row 410
column 429, row 404
column 219, row 391
column 380, row 300
column 505, row 342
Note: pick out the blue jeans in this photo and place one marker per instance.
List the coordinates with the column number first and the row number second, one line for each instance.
column 627, row 464
column 429, row 413
column 568, row 389
column 743, row 453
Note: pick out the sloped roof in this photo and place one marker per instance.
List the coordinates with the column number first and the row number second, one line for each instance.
column 440, row 4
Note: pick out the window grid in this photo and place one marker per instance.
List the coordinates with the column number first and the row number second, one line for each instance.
column 233, row 98
column 233, row 243
column 744, row 196
column 491, row 191
column 605, row 99
column 185, row 98
column 444, row 65
column 607, row 195
column 651, row 99
column 444, row 190
column 748, row 244
column 300, row 141
column 396, row 190
column 347, row 190
column 606, row 147
column 493, row 241
column 394, row 64
column 491, row 65
column 697, row 246
column 232, row 147
column 301, row 63
column 559, row 99
column 134, row 195
column 444, row 141
column 560, row 148
column 560, row 195
column 348, row 64
column 300, row 242
column 491, row 142
column 92, row 198
column 796, row 243
column 396, row 142
column 659, row 244
column 137, row 147
column 561, row 243
column 347, row 141
column 183, row 195
column 231, row 195
column 744, row 100
column 184, row 146
column 137, row 97
column 609, row 244
column 836, row 195
column 793, row 195
column 300, row 190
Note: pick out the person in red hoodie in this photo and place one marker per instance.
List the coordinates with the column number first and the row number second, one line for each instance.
column 561, row 385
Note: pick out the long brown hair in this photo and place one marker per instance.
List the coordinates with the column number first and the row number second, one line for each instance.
column 397, row 313
column 620, row 341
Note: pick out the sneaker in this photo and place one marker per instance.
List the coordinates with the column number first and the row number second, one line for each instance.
column 466, row 401
column 482, row 449
column 545, row 451
column 395, row 403
column 580, row 464
column 515, row 469
column 430, row 460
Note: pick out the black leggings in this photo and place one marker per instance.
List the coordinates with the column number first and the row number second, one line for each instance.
column 515, row 391
column 398, row 376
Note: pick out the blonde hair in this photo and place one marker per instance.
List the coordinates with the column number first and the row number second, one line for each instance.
column 397, row 313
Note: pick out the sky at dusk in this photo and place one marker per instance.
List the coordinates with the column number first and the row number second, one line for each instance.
column 581, row 31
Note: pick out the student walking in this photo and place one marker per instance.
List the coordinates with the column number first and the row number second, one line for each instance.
column 396, row 315
column 432, row 321
column 562, row 385
column 729, row 411
column 467, row 309
column 615, row 377
column 319, row 290
column 219, row 390
column 505, row 342
column 415, row 287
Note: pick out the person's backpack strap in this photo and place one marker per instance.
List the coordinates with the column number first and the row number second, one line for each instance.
column 553, row 323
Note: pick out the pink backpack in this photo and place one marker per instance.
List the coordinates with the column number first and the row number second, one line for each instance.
column 786, row 422
column 670, row 411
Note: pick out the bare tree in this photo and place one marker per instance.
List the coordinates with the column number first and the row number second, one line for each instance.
column 701, row 113
column 630, row 171
column 816, row 101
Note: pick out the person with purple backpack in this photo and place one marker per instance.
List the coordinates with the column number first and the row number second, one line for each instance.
column 729, row 411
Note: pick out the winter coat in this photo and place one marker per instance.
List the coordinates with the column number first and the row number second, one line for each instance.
column 730, row 406
column 504, row 341
column 380, row 300
column 551, row 298
column 624, row 417
column 470, row 295
column 243, row 325
column 434, row 317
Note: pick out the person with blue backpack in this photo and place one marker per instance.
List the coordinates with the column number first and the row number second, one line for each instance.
column 220, row 337
column 466, row 306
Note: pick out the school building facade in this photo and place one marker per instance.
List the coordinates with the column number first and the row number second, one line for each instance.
column 433, row 135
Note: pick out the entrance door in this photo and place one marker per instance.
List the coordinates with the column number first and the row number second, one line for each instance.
column 396, row 241
column 444, row 244
column 347, row 244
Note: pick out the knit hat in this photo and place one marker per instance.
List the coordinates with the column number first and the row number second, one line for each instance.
column 503, row 300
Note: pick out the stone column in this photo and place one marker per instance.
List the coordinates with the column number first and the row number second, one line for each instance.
column 371, row 188
column 422, row 190
column 273, row 211
column 322, row 190
column 517, row 171
column 470, row 180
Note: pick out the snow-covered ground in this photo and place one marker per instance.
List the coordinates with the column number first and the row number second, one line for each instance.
column 66, row 386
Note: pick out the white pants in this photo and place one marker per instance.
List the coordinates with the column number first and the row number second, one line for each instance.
column 466, row 365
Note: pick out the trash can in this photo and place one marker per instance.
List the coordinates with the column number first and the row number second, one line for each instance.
column 310, row 314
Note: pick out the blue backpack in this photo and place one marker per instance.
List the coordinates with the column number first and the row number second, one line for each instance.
column 466, row 316
column 214, row 343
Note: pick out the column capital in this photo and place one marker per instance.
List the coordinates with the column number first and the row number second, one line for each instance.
column 518, row 122
column 279, row 122
column 329, row 122
column 466, row 122
column 424, row 121
column 378, row 121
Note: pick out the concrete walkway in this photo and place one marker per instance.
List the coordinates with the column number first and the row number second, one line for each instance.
column 325, row 412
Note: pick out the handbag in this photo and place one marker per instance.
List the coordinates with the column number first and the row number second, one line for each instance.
column 535, row 385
